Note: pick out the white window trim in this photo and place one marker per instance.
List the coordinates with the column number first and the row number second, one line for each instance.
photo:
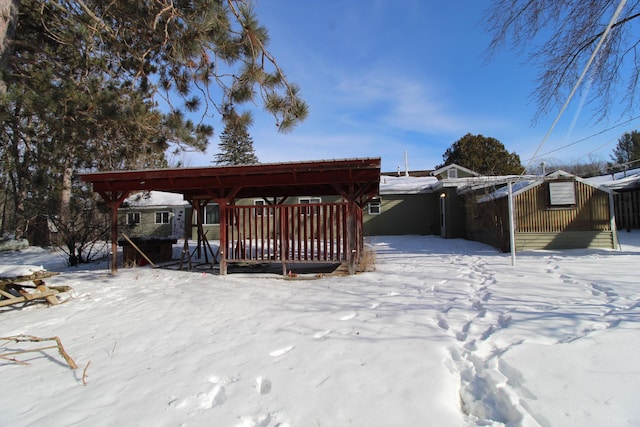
column 262, row 204
column 162, row 215
column 376, row 201
column 133, row 215
column 204, row 213
column 309, row 200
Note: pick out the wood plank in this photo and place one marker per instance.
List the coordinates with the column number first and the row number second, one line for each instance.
column 47, row 294
column 14, row 300
column 6, row 294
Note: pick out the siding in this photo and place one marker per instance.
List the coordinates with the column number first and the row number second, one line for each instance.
column 564, row 240
column 403, row 214
column 591, row 212
column 147, row 226
column 539, row 226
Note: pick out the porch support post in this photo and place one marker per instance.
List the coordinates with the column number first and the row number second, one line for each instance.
column 223, row 236
column 352, row 243
column 356, row 197
column 223, row 198
column 114, row 201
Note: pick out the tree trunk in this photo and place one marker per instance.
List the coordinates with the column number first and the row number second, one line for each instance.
column 8, row 16
column 65, row 214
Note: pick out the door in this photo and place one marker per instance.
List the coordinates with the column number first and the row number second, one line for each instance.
column 178, row 230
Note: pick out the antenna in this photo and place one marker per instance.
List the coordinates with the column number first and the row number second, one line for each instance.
column 406, row 163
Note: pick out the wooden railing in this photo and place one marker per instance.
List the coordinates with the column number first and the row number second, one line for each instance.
column 316, row 232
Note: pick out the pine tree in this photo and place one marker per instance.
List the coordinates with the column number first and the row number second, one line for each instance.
column 84, row 81
column 628, row 150
column 236, row 147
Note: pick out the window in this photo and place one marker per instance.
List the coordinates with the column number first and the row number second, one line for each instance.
column 133, row 218
column 212, row 214
column 162, row 217
column 452, row 173
column 375, row 207
column 261, row 210
column 310, row 200
column 562, row 194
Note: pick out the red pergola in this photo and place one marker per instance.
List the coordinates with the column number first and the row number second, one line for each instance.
column 356, row 180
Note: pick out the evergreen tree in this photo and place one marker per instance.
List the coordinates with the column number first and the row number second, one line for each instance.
column 484, row 155
column 84, row 79
column 628, row 149
column 236, row 147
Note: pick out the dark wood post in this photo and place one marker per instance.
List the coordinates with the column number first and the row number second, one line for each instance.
column 114, row 201
column 224, row 245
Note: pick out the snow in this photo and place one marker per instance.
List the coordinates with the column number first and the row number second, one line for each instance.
column 155, row 198
column 406, row 184
column 442, row 333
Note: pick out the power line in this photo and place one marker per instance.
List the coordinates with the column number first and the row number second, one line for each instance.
column 614, row 18
column 585, row 138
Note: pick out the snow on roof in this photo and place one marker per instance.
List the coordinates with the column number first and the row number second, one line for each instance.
column 603, row 179
column 155, row 198
column 504, row 191
column 406, row 184
column 618, row 180
column 627, row 182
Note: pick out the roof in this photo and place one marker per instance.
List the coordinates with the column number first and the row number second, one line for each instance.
column 154, row 199
column 454, row 166
column 624, row 184
column 525, row 184
column 619, row 181
column 357, row 177
column 406, row 184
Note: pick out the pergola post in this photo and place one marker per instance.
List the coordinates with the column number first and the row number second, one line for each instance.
column 352, row 237
column 114, row 200
column 223, row 238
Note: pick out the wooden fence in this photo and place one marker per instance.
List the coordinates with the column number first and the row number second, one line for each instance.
column 319, row 232
column 627, row 207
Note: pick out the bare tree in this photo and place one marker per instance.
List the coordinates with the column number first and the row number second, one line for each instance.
column 562, row 35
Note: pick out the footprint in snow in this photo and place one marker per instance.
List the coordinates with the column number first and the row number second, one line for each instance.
column 215, row 396
column 321, row 334
column 348, row 316
column 263, row 385
column 281, row 351
column 442, row 323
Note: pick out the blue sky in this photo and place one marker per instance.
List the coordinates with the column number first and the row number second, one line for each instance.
column 384, row 77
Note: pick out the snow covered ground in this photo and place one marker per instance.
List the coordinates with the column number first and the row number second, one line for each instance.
column 443, row 333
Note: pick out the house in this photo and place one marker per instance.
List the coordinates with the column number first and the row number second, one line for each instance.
column 557, row 211
column 405, row 205
column 451, row 202
column 154, row 214
column 425, row 203
column 454, row 171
